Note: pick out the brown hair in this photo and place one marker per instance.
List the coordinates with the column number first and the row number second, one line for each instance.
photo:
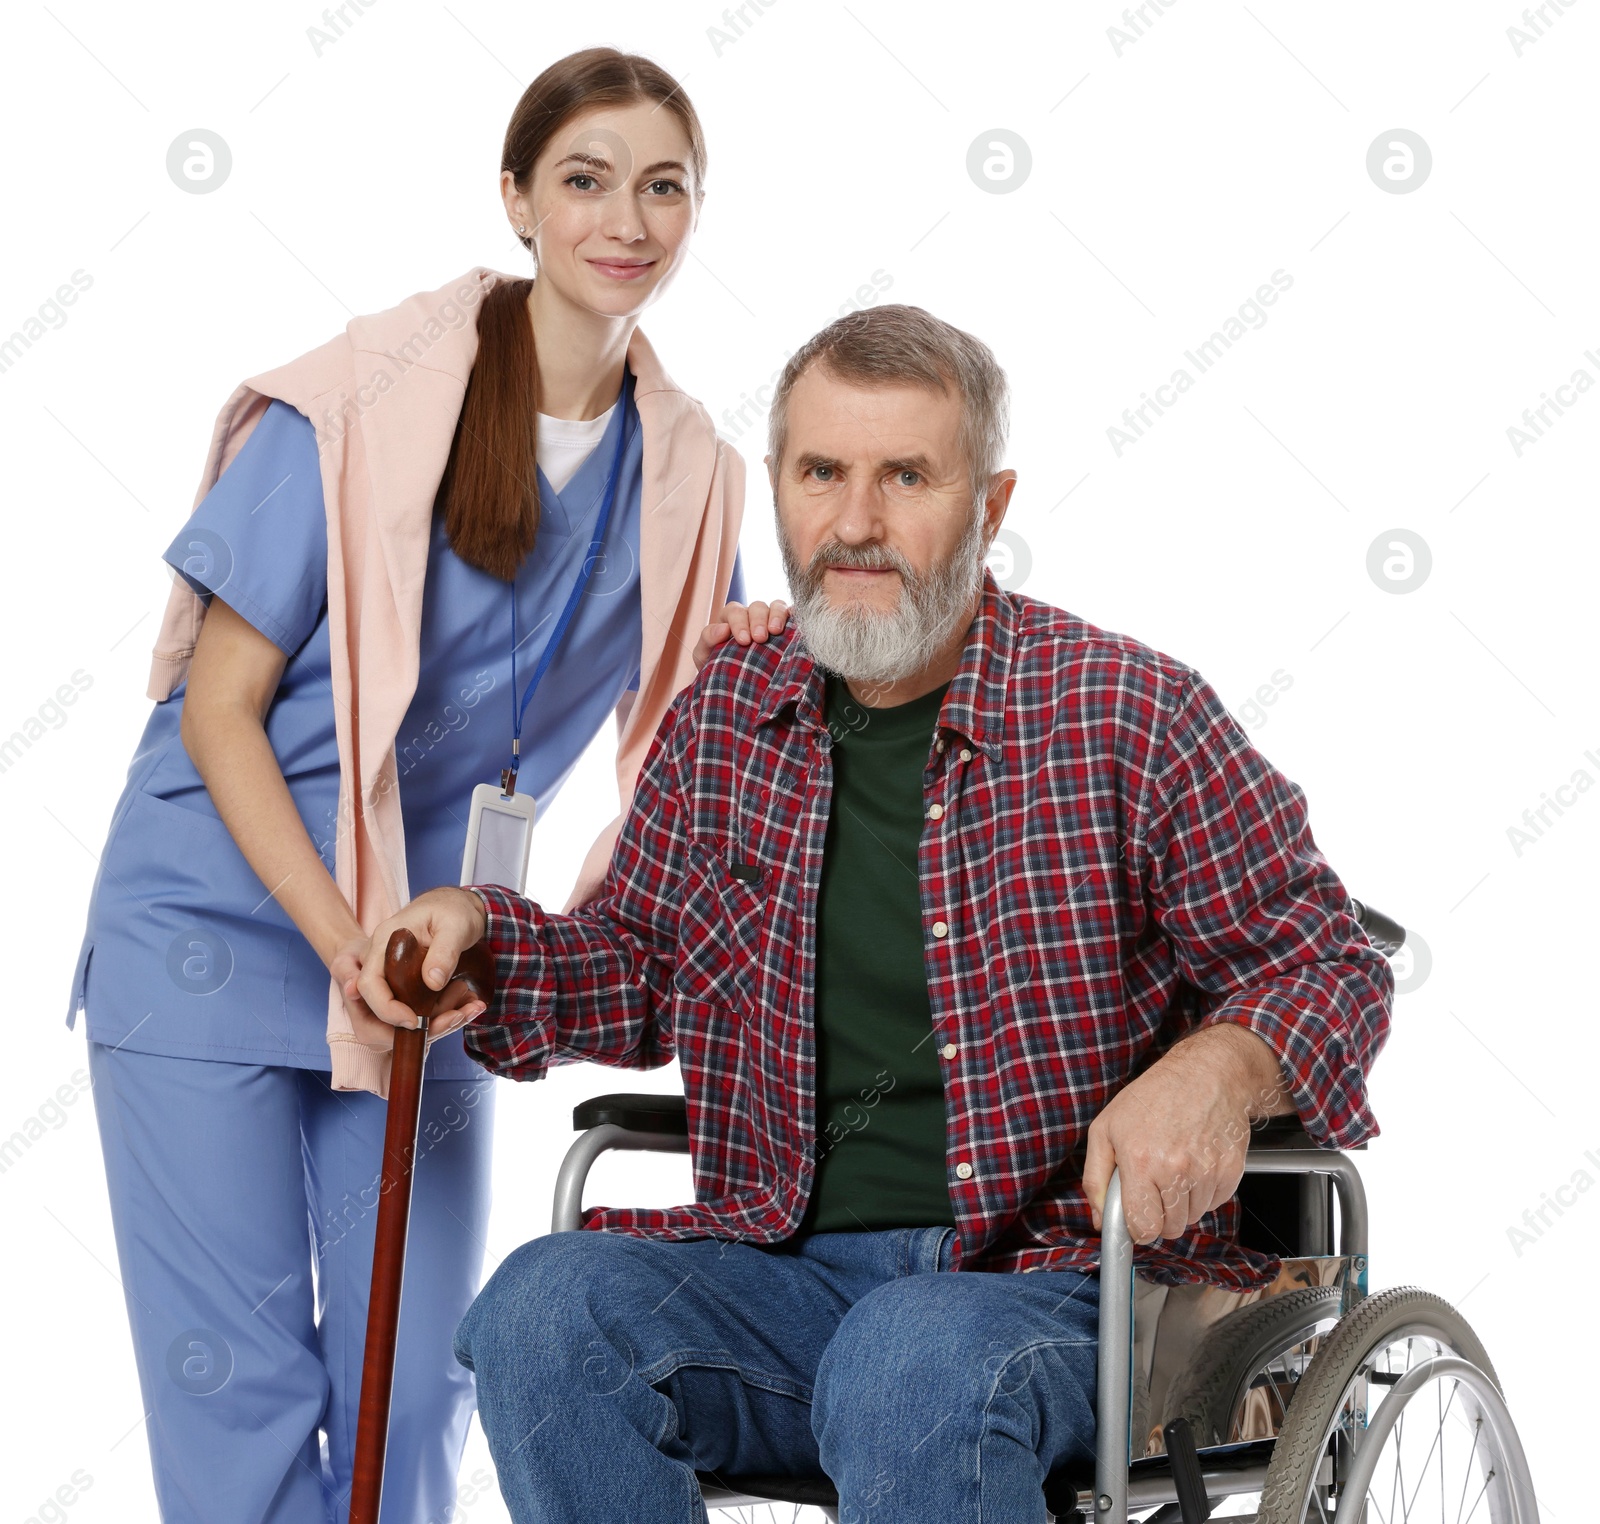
column 490, row 487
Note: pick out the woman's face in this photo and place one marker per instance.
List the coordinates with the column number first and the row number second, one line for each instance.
column 610, row 207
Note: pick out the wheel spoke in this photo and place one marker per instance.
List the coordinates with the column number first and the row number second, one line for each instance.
column 1488, row 1476
column 1399, row 1452
column 1372, row 1503
column 1441, row 1453
column 1455, row 1387
column 1466, row 1476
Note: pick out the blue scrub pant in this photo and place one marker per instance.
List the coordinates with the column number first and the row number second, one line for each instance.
column 612, row 1367
column 244, row 1202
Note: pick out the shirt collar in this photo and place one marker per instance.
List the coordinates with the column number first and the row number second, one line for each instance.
column 975, row 702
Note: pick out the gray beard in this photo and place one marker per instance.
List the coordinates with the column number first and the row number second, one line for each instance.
column 865, row 645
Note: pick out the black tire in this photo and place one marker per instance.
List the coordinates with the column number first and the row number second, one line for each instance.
column 1374, row 1322
column 1210, row 1388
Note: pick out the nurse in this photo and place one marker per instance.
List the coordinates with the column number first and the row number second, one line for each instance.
column 386, row 595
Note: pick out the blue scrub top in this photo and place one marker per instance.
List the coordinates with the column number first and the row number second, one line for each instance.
column 186, row 952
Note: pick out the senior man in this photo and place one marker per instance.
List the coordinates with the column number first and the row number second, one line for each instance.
column 946, row 901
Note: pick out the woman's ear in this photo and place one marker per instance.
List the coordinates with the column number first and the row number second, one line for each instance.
column 516, row 202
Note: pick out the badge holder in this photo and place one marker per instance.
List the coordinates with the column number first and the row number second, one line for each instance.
column 499, row 838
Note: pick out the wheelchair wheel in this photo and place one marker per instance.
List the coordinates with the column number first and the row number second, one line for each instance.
column 1398, row 1416
column 1237, row 1381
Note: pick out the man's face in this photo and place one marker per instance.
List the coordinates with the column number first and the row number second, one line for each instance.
column 875, row 467
column 882, row 542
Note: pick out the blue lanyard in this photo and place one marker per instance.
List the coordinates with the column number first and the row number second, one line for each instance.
column 508, row 775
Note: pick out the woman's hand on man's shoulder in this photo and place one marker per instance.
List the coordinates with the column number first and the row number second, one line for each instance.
column 742, row 623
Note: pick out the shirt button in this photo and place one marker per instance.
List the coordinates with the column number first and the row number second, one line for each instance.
column 1029, row 1269
column 966, row 756
column 936, row 812
column 949, row 1050
column 939, row 928
column 939, row 744
column 963, row 1170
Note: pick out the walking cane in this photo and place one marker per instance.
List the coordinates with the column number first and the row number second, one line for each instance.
column 402, row 969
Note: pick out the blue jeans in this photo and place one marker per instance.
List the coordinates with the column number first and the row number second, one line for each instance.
column 611, row 1367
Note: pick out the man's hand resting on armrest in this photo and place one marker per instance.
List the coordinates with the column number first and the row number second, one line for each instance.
column 446, row 921
column 1178, row 1133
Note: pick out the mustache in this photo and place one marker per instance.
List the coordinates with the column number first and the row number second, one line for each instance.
column 876, row 557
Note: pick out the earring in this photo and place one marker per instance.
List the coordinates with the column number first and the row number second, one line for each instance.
column 520, row 228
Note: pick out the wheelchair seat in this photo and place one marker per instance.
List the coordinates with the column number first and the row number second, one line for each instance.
column 1063, row 1488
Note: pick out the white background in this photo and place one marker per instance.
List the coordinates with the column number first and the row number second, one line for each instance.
column 1172, row 174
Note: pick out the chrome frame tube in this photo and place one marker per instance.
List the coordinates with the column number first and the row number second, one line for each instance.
column 1114, row 1378
column 1114, row 1381
column 1153, row 1491
column 567, row 1215
column 1346, row 1182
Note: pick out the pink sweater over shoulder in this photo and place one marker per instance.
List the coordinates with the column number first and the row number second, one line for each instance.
column 384, row 397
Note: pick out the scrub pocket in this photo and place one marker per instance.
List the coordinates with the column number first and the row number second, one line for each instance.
column 190, row 953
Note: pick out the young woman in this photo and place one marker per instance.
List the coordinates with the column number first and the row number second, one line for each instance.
column 487, row 503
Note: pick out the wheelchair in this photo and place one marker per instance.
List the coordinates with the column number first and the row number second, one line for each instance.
column 1284, row 1406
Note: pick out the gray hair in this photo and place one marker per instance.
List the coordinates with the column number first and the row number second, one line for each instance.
column 906, row 345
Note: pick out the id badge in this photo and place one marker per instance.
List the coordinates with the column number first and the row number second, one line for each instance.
column 499, row 836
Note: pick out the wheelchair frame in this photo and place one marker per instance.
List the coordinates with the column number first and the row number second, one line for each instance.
column 1116, row 1488
column 1121, row 1482
column 1192, row 1481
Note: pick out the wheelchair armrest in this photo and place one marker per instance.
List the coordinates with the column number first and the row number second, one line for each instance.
column 1283, row 1131
column 652, row 1123
column 633, row 1113
column 1384, row 932
column 1286, row 1131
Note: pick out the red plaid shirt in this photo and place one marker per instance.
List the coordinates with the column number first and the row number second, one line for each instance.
column 1107, row 864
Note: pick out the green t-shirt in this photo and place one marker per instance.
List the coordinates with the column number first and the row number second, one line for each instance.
column 880, row 1089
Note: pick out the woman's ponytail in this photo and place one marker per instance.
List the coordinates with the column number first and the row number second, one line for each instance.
column 490, row 487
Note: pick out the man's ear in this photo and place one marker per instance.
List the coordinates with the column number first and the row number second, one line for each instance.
column 772, row 477
column 1001, row 486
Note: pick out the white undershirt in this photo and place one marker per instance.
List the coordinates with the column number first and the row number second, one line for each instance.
column 565, row 443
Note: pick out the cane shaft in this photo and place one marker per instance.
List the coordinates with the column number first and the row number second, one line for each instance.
column 388, row 1274
column 402, row 968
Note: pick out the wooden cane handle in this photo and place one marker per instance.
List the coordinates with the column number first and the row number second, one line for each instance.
column 402, row 970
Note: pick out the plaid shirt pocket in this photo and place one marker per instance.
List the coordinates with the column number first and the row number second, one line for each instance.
column 720, row 922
